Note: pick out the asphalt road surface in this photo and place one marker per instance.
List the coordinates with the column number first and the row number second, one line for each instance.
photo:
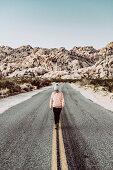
column 29, row 141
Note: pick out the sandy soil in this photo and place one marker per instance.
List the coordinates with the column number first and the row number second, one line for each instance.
column 10, row 101
column 103, row 98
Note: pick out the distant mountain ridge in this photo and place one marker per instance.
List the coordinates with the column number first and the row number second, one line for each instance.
column 79, row 62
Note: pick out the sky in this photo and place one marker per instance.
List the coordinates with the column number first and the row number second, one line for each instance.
column 56, row 23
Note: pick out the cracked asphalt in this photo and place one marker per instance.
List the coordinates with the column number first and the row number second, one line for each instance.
column 26, row 131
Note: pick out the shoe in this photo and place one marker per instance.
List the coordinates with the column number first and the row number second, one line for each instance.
column 55, row 126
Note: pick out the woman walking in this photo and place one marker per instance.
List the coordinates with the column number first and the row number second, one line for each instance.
column 57, row 102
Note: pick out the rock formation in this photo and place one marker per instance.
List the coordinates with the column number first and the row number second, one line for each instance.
column 78, row 62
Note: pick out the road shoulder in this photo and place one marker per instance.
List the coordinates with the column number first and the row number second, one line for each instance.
column 101, row 98
column 10, row 101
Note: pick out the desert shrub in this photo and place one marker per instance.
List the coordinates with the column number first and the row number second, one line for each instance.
column 17, row 88
column 19, row 84
column 40, row 82
column 45, row 82
column 36, row 83
column 16, row 85
column 64, row 80
column 11, row 87
column 26, row 89
column 6, row 84
column 22, row 80
column 4, row 92
column 107, row 83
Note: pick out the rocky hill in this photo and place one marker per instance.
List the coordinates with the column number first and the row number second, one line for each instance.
column 78, row 62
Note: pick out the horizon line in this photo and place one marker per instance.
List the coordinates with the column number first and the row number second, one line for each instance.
column 54, row 47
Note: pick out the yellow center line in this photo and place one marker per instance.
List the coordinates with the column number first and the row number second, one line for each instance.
column 63, row 160
column 54, row 150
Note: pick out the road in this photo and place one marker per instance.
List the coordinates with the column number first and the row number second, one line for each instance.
column 29, row 141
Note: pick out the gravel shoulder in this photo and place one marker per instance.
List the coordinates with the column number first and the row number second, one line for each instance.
column 10, row 101
column 103, row 98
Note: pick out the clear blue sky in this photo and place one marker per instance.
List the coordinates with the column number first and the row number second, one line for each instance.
column 56, row 23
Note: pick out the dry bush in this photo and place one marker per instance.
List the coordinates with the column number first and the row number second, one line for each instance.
column 16, row 85
column 26, row 87
column 4, row 92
